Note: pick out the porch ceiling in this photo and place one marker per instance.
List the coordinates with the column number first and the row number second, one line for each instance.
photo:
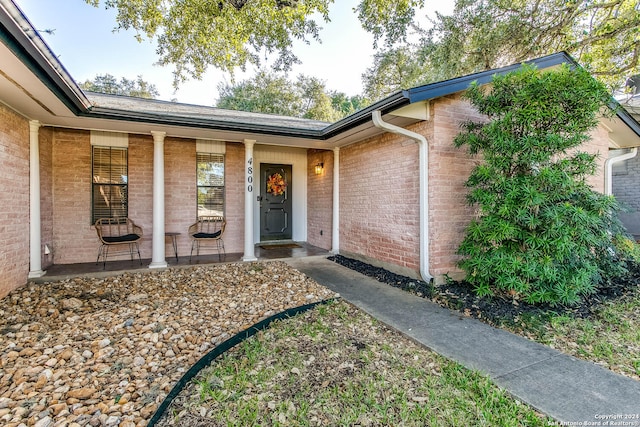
column 620, row 135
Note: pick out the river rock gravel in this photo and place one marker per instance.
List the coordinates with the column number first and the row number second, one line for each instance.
column 106, row 351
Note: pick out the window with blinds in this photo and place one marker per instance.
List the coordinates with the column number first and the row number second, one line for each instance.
column 210, row 177
column 109, row 183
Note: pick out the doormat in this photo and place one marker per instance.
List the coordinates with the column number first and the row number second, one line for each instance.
column 280, row 246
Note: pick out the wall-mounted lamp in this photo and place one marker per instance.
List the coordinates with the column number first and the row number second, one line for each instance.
column 319, row 168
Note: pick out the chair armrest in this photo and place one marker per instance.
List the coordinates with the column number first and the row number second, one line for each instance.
column 136, row 229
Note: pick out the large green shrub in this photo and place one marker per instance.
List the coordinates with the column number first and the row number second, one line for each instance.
column 541, row 233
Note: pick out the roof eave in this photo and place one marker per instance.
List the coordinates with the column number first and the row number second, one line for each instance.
column 460, row 84
column 24, row 41
column 625, row 116
column 386, row 105
column 161, row 119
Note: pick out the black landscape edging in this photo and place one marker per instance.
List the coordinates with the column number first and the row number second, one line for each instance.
column 223, row 347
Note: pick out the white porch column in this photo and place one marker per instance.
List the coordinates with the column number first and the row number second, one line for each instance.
column 158, row 256
column 335, row 229
column 35, row 236
column 249, row 249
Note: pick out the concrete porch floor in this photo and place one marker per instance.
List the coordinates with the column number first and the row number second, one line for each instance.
column 91, row 269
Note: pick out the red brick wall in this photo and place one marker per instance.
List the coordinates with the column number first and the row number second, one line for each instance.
column 599, row 145
column 14, row 200
column 319, row 199
column 179, row 192
column 141, row 188
column 379, row 210
column 234, row 198
column 379, row 206
column 449, row 168
column 74, row 239
column 46, row 196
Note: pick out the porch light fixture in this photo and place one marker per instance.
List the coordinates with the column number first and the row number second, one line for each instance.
column 319, row 168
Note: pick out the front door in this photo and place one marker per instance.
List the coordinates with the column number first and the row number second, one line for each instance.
column 275, row 202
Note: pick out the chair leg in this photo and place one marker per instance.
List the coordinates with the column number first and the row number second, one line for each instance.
column 105, row 253
column 99, row 254
column 220, row 244
column 193, row 242
column 138, row 250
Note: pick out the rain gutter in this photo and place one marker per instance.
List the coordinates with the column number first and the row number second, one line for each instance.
column 608, row 169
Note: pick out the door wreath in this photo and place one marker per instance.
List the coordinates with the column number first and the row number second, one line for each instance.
column 276, row 185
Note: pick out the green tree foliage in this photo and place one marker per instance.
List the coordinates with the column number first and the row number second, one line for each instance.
column 387, row 19
column 346, row 104
column 106, row 83
column 602, row 35
column 398, row 68
column 229, row 34
column 273, row 93
column 541, row 232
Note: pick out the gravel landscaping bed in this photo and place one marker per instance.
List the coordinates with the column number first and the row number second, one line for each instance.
column 105, row 352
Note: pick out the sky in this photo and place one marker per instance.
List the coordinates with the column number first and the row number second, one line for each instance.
column 85, row 43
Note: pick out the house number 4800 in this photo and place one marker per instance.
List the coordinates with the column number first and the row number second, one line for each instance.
column 250, row 175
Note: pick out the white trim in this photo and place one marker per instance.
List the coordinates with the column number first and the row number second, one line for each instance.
column 608, row 169
column 297, row 158
column 335, row 227
column 35, row 234
column 249, row 197
column 158, row 258
column 210, row 146
column 109, row 139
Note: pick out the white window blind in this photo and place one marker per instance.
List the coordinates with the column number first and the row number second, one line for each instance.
column 210, row 184
column 109, row 183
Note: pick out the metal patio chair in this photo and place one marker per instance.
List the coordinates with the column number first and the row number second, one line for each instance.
column 208, row 229
column 114, row 232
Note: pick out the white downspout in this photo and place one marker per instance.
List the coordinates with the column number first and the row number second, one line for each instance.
column 608, row 169
column 423, row 146
column 35, row 219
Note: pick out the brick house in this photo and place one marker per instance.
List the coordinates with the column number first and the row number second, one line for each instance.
column 625, row 171
column 384, row 185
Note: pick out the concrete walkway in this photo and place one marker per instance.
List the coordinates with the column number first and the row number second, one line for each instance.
column 568, row 389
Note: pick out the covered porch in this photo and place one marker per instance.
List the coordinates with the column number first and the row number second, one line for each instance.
column 263, row 252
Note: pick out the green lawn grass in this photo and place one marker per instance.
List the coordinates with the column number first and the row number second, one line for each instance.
column 335, row 365
column 610, row 336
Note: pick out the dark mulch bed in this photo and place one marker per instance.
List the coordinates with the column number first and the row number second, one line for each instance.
column 494, row 310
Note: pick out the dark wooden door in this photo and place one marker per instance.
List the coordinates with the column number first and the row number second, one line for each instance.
column 275, row 202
